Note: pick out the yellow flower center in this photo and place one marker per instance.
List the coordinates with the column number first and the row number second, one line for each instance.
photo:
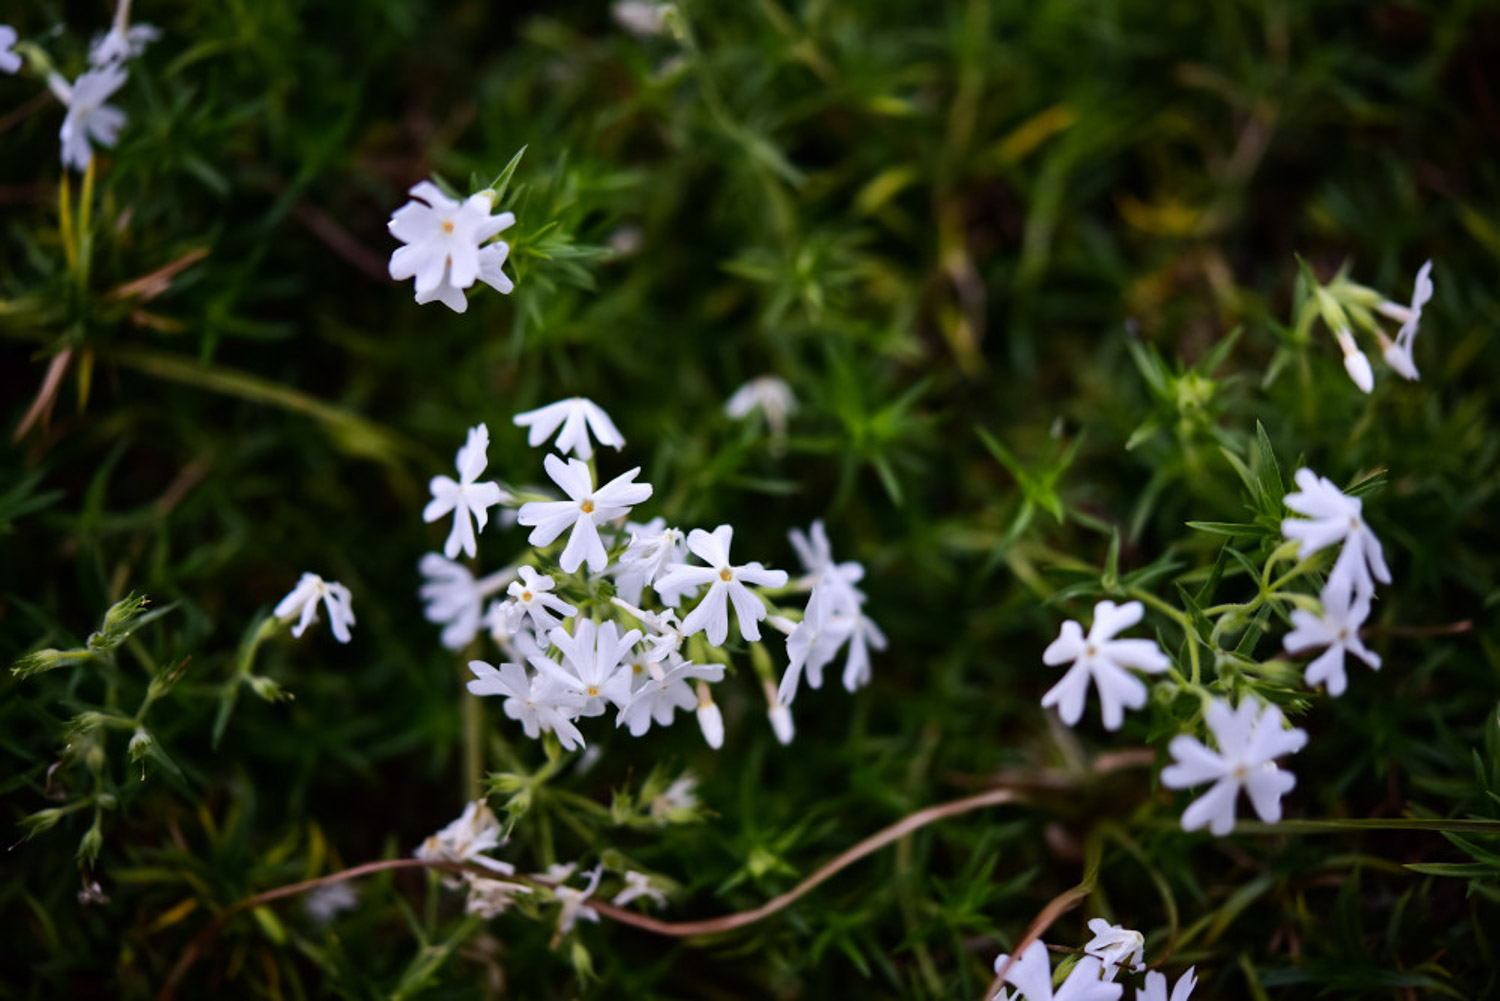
column 587, row 507
column 725, row 575
column 447, row 225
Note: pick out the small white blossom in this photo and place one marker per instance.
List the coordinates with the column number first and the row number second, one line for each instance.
column 1337, row 629
column 813, row 644
column 1031, row 974
column 591, row 667
column 575, row 902
column 710, row 719
column 637, row 885
column 454, row 598
column 769, row 395
column 121, row 42
column 10, row 62
column 1335, row 517
column 442, row 240
column 642, row 18
column 727, row 586
column 466, row 839
column 1156, row 987
column 662, row 693
column 466, row 496
column 577, row 417
column 584, row 510
column 329, row 901
column 1355, row 362
column 537, row 703
column 1398, row 353
column 782, row 723
column 816, row 555
column 653, row 547
column 1116, row 947
column 1104, row 660
column 489, row 898
column 677, row 799
column 532, row 596
column 89, row 119
column 1250, row 738
column 302, row 604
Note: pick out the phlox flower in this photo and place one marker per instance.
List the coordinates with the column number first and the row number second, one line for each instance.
column 663, row 637
column 10, row 62
column 727, row 585
column 442, row 239
column 1156, row 987
column 663, row 693
column 1116, row 947
column 637, row 885
column 89, row 119
column 813, row 644
column 780, row 715
column 1398, row 353
column 302, row 604
column 1104, row 660
column 489, row 898
column 862, row 636
column 532, row 596
column 1333, row 517
column 466, row 496
column 454, row 598
column 653, row 547
column 584, row 509
column 123, row 40
column 710, row 719
column 577, row 417
column 575, row 902
column 1031, row 974
column 536, row 703
column 769, row 395
column 1337, row 629
column 1250, row 738
column 329, row 901
column 591, row 667
column 466, row 839
column 819, row 567
column 1355, row 362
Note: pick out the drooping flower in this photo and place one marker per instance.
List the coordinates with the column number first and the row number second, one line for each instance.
column 1249, row 740
column 454, row 598
column 727, row 585
column 1398, row 353
column 584, row 509
column 1031, row 974
column 1333, row 517
column 653, row 547
column 1337, row 628
column 442, row 239
column 710, row 719
column 637, row 885
column 467, row 839
column 537, row 703
column 10, row 62
column 591, row 667
column 302, row 604
column 1104, row 660
column 532, row 596
column 577, row 417
column 466, row 496
column 1116, row 947
column 663, row 693
column 769, row 395
column 89, row 120
column 1355, row 362
column 1156, row 987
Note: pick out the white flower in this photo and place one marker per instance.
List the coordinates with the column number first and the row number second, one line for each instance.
column 653, row 547
column 1156, row 987
column 577, row 417
column 454, row 598
column 1355, row 362
column 491, row 260
column 1338, row 630
column 662, row 693
column 591, row 666
column 1116, row 947
column 442, row 239
column 329, row 901
column 781, row 720
column 582, row 512
column 727, row 585
column 121, row 43
column 710, row 719
column 88, row 118
column 813, row 644
column 1335, row 517
column 768, row 394
column 1031, row 974
column 489, row 898
column 642, row 18
column 519, row 644
column 1104, row 659
column 465, row 496
column 637, row 885
column 664, row 638
column 1250, row 738
column 1398, row 353
column 575, row 902
column 535, row 702
column 9, row 61
column 816, row 556
column 466, row 839
column 862, row 636
column 302, row 604
column 678, row 799
column 532, row 596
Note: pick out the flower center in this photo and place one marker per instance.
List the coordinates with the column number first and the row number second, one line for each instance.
column 587, row 507
column 726, row 575
column 636, row 668
column 1090, row 651
column 593, row 689
column 447, row 225
column 526, row 596
column 1241, row 772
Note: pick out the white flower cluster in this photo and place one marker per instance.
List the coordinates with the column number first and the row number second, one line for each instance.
column 89, row 119
column 570, row 652
column 1345, row 299
column 1251, row 736
column 1111, row 950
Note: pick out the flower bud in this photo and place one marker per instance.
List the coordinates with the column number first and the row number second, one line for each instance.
column 781, row 722
column 1358, row 367
column 710, row 720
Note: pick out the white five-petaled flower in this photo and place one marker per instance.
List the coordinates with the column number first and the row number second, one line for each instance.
column 1250, row 738
column 1335, row 517
column 814, row 643
column 637, row 885
column 662, row 693
column 575, row 902
column 9, row 61
column 532, row 596
column 454, row 598
column 442, row 240
column 816, row 555
column 653, row 547
column 577, row 417
column 89, row 119
column 1104, row 659
column 591, row 667
column 1337, row 629
column 537, row 703
column 1116, row 947
column 466, row 496
column 768, row 394
column 726, row 585
column 1398, row 353
column 1156, row 987
column 466, row 839
column 302, row 604
column 1031, row 974
column 584, row 509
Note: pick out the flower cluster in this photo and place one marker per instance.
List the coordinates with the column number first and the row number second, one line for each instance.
column 1344, row 305
column 1112, row 950
column 605, row 613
